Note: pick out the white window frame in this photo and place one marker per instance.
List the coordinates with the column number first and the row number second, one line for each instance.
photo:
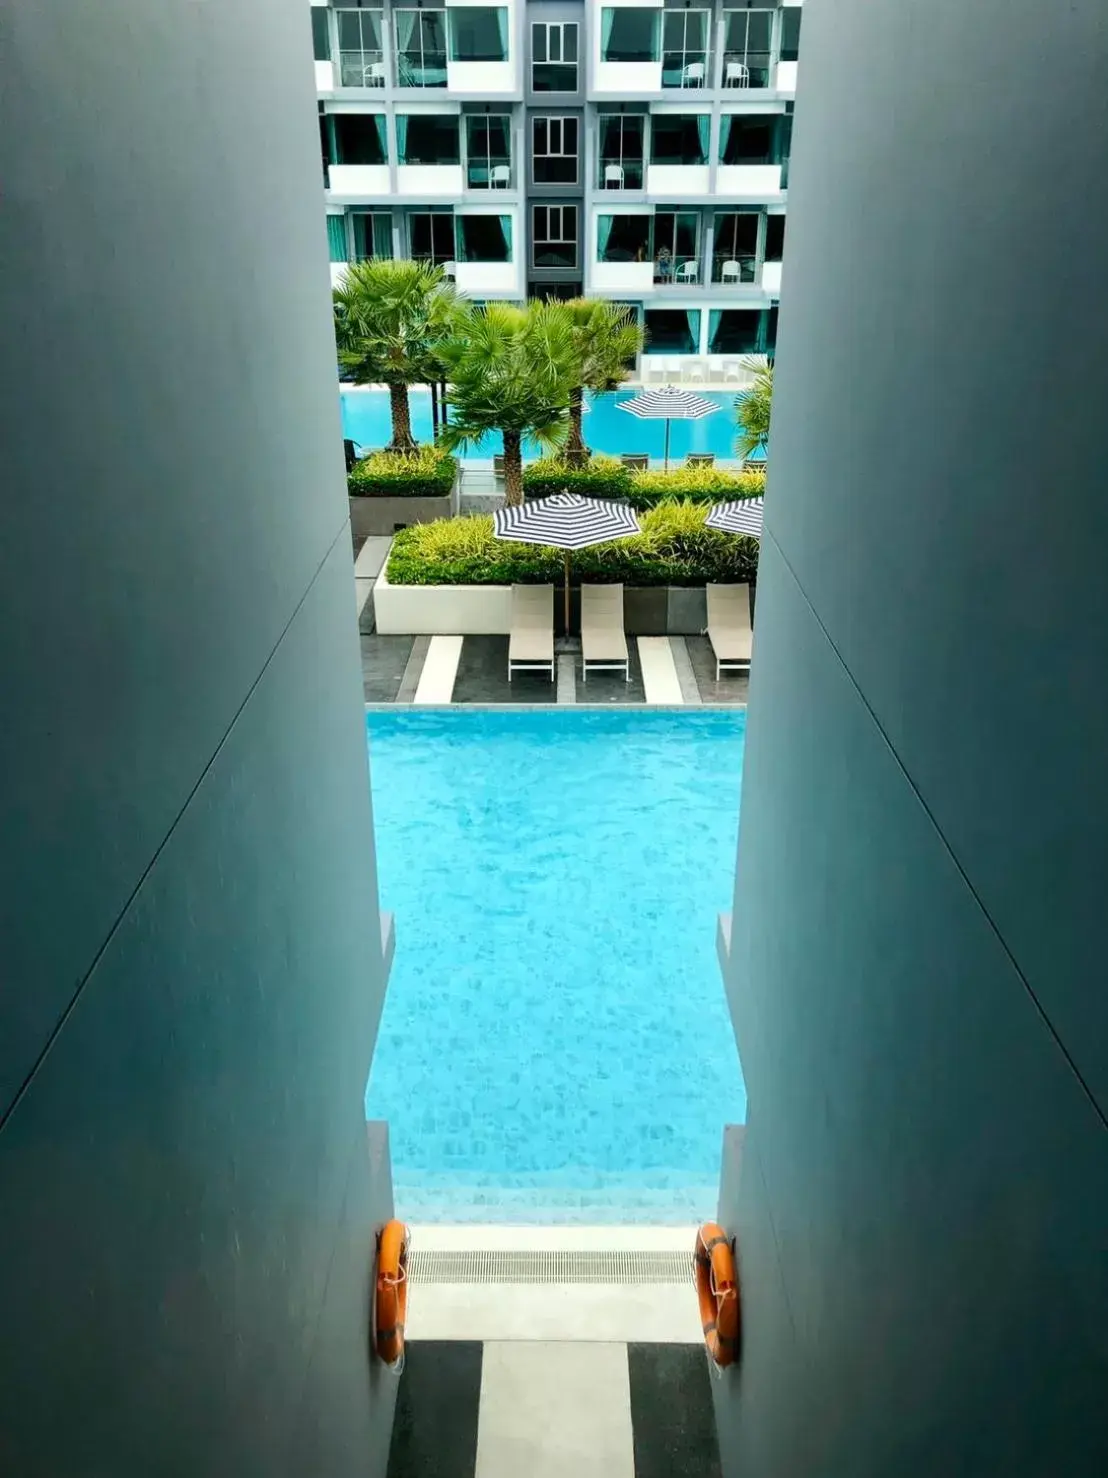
column 561, row 119
column 549, row 239
column 557, row 28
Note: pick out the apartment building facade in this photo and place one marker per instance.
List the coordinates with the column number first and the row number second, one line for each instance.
column 636, row 151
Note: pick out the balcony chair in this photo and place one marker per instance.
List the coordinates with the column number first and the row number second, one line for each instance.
column 501, row 177
column 736, row 74
column 375, row 75
column 688, row 272
column 731, row 272
column 692, row 75
column 613, row 176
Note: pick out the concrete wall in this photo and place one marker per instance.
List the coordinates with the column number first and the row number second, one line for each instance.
column 916, row 971
column 191, row 967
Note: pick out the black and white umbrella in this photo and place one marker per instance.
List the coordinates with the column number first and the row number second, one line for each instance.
column 565, row 521
column 669, row 404
column 743, row 516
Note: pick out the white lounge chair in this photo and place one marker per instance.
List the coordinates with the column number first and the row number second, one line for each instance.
column 531, row 644
column 603, row 643
column 729, row 625
column 656, row 371
column 696, row 372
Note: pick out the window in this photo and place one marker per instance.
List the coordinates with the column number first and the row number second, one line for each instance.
column 431, row 236
column 746, row 138
column 478, row 33
column 420, row 48
column 372, row 234
column 359, row 138
column 554, row 56
column 628, row 35
column 735, row 331
column 554, row 149
column 488, row 152
column 680, row 138
column 748, row 48
column 621, row 151
column 735, row 248
column 623, row 238
column 685, row 48
column 672, row 331
column 676, row 248
column 775, row 238
column 321, row 44
column 428, row 138
column 361, row 59
column 790, row 33
column 554, row 236
column 484, row 238
column 336, row 238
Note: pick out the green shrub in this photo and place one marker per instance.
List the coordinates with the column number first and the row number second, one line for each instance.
column 701, row 484
column 674, row 548
column 602, row 477
column 426, row 473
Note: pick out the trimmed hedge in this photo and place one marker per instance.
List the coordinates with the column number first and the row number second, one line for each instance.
column 427, row 473
column 674, row 548
column 603, row 477
column 696, row 484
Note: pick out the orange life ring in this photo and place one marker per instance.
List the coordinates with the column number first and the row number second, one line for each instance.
column 717, row 1291
column 392, row 1291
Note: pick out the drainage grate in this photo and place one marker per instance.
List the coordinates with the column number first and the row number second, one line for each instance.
column 550, row 1267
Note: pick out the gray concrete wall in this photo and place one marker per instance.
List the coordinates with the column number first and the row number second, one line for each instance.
column 917, row 965
column 190, row 957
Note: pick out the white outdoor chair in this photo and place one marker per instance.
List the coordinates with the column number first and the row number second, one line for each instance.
column 731, row 272
column 715, row 366
column 692, row 75
column 450, row 269
column 501, row 177
column 736, row 74
column 696, row 373
column 675, row 370
column 375, row 74
column 613, row 176
column 688, row 272
column 657, row 372
column 732, row 372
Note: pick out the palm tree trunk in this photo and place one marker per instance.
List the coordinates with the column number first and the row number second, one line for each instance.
column 402, row 440
column 577, row 453
column 513, row 469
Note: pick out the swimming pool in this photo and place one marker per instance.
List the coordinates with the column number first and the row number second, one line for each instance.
column 555, row 1043
column 366, row 419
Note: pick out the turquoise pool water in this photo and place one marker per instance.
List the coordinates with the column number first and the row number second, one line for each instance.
column 555, row 1044
column 365, row 418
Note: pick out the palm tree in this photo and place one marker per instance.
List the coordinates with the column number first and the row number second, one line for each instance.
column 391, row 319
column 511, row 370
column 606, row 337
column 753, row 408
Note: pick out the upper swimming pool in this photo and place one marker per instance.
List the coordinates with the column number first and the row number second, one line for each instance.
column 366, row 420
column 555, row 1043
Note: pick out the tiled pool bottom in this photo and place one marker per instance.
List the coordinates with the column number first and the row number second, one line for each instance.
column 555, row 1044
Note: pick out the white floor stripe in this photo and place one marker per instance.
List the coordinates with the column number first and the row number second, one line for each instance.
column 659, row 672
column 436, row 681
column 551, row 1410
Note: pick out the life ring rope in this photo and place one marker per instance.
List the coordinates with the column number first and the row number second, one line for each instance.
column 717, row 1294
column 391, row 1294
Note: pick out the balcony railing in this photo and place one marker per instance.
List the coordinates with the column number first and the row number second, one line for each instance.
column 421, row 68
column 361, row 69
column 676, row 271
column 685, row 68
column 620, row 174
column 732, row 270
column 489, row 174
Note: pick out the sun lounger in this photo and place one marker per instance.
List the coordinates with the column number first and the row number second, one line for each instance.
column 635, row 462
column 700, row 459
column 729, row 625
column 531, row 644
column 603, row 643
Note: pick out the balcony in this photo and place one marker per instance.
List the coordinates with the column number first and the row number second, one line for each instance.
column 734, row 271
column 679, row 154
column 620, row 173
column 429, row 154
column 641, row 251
column 362, row 69
column 488, row 152
column 359, row 57
column 630, row 57
column 686, row 59
column 415, row 68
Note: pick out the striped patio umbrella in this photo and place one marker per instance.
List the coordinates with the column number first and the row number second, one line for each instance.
column 565, row 521
column 669, row 404
column 743, row 516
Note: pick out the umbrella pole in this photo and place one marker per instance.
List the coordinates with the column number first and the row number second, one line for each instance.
column 667, row 443
column 566, row 558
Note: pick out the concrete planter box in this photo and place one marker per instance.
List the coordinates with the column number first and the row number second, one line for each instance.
column 370, row 516
column 485, row 610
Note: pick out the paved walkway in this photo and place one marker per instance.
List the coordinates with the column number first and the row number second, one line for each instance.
column 666, row 671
